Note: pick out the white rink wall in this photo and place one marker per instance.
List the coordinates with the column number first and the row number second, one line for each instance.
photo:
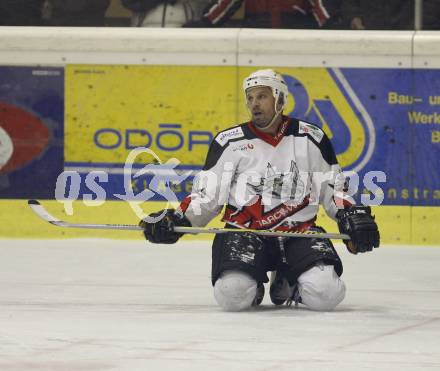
column 221, row 47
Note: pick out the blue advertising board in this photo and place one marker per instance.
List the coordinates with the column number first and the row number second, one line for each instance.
column 31, row 131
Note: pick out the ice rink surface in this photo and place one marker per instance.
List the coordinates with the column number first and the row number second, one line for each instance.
column 123, row 305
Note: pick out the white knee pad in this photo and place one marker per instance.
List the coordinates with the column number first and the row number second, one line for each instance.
column 321, row 288
column 235, row 290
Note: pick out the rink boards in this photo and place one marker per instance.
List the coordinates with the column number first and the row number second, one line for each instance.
column 88, row 116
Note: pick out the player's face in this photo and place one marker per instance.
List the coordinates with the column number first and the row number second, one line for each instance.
column 261, row 105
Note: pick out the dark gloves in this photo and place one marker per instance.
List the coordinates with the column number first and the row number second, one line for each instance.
column 162, row 230
column 359, row 224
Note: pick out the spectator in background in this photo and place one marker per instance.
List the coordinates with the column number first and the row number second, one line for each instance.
column 378, row 14
column 162, row 13
column 431, row 14
column 20, row 12
column 271, row 13
column 75, row 12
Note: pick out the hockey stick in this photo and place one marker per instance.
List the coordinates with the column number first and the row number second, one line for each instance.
column 39, row 209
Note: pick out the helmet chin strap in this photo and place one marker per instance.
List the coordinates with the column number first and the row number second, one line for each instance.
column 270, row 124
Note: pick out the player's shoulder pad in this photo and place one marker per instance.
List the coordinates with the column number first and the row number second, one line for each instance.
column 311, row 130
column 318, row 137
column 227, row 135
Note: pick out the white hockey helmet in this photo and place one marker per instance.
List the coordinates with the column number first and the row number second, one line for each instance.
column 271, row 79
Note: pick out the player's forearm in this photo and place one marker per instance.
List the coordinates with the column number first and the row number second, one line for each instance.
column 334, row 191
column 201, row 212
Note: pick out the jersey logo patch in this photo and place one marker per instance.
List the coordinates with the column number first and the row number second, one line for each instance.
column 312, row 130
column 227, row 135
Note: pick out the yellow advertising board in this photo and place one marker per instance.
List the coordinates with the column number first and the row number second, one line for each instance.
column 173, row 110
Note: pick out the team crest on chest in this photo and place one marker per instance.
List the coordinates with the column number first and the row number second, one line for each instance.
column 275, row 187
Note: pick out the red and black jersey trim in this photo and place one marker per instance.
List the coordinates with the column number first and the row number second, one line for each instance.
column 219, row 11
column 272, row 140
column 185, row 204
column 253, row 215
column 290, row 126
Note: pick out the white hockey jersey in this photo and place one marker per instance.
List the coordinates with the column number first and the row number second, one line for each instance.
column 268, row 182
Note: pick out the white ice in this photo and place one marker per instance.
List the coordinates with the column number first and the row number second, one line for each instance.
column 123, row 305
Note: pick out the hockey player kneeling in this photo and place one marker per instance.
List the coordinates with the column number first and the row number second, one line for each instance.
column 267, row 176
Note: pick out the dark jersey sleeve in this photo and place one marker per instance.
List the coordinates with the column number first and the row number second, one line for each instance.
column 218, row 12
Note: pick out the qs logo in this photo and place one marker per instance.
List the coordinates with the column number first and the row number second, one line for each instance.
column 324, row 97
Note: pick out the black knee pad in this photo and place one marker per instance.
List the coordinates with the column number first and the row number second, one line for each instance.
column 238, row 251
column 304, row 253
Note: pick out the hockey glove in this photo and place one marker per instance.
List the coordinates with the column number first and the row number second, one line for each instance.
column 162, row 230
column 359, row 224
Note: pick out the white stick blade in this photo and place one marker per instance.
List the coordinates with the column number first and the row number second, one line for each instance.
column 38, row 209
